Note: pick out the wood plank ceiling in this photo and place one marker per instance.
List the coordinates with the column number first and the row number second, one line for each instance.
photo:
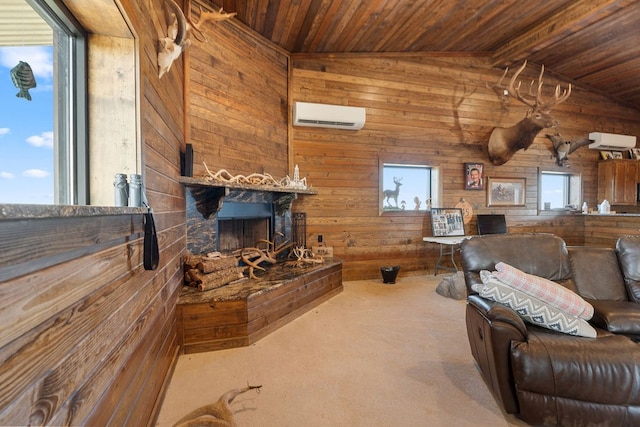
column 593, row 43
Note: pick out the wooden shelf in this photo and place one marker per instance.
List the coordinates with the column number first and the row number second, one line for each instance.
column 199, row 182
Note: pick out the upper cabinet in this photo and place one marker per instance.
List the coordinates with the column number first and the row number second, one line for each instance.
column 617, row 181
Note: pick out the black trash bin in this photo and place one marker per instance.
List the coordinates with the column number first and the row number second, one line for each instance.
column 389, row 274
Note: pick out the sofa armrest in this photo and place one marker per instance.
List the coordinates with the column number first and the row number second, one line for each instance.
column 496, row 312
column 618, row 317
column 491, row 328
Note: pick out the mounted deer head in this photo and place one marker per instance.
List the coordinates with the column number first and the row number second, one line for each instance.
column 170, row 47
column 504, row 142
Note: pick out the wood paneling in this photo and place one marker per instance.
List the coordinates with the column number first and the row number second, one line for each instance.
column 238, row 103
column 432, row 110
column 591, row 42
column 88, row 336
column 207, row 322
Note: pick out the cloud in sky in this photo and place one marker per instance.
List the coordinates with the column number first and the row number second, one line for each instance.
column 38, row 57
column 6, row 175
column 45, row 139
column 35, row 173
column 4, row 131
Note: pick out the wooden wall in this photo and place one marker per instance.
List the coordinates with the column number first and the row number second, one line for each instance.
column 237, row 102
column 88, row 336
column 432, row 110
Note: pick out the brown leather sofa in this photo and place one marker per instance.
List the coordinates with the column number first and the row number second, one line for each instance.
column 552, row 378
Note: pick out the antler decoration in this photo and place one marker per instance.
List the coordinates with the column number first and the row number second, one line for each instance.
column 214, row 16
column 170, row 47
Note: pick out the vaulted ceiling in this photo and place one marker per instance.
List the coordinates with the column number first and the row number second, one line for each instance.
column 592, row 43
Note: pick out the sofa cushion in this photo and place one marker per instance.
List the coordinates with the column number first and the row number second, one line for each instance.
column 551, row 293
column 596, row 273
column 532, row 309
column 618, row 317
column 628, row 251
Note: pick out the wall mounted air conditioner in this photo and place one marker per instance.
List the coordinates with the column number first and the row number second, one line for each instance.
column 611, row 141
column 328, row 116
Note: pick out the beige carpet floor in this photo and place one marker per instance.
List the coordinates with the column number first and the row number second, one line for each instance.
column 374, row 355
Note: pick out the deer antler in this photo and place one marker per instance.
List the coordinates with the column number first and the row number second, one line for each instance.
column 214, row 16
column 536, row 104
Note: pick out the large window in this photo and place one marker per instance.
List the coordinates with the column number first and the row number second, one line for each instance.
column 45, row 156
column 43, row 112
column 560, row 191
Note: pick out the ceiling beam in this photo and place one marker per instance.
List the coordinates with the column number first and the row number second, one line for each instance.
column 565, row 22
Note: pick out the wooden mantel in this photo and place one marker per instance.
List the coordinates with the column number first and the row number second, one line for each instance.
column 210, row 194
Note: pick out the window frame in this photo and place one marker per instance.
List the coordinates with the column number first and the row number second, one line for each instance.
column 572, row 190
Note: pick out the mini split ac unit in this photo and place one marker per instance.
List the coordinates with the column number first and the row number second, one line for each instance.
column 328, row 116
column 611, row 141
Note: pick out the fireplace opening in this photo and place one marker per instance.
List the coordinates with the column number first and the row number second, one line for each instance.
column 242, row 225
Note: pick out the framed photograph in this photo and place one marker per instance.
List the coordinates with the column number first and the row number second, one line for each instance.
column 447, row 222
column 474, row 176
column 617, row 155
column 606, row 155
column 506, row 191
column 634, row 153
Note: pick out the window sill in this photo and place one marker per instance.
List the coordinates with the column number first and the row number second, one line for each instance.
column 20, row 211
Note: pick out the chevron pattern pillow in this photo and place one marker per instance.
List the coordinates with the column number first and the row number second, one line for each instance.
column 532, row 309
column 550, row 292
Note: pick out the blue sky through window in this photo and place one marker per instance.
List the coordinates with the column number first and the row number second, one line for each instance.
column 26, row 129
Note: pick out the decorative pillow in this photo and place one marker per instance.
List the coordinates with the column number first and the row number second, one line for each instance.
column 532, row 309
column 550, row 292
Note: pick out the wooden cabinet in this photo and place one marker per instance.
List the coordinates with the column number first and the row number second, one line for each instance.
column 617, row 181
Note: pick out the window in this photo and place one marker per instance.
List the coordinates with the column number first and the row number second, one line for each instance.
column 410, row 188
column 560, row 191
column 42, row 130
column 90, row 97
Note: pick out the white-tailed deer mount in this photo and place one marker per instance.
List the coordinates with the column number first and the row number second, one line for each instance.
column 170, row 47
column 504, row 142
column 562, row 148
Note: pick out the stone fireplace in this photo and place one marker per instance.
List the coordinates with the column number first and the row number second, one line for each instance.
column 244, row 217
column 223, row 219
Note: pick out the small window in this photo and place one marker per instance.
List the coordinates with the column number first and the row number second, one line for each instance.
column 408, row 188
column 560, row 191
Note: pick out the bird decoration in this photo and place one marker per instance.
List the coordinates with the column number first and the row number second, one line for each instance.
column 562, row 148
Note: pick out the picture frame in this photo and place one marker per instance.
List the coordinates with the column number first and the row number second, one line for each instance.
column 506, row 191
column 634, row 153
column 473, row 176
column 447, row 222
column 617, row 155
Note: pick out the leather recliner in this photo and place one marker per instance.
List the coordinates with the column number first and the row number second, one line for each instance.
column 547, row 377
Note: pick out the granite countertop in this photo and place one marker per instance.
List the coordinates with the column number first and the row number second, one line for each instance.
column 24, row 211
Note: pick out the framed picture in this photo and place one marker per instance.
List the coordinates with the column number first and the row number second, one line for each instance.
column 474, row 176
column 506, row 191
column 447, row 222
column 634, row 153
column 617, row 155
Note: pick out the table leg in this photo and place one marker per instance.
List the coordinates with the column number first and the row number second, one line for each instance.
column 440, row 265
